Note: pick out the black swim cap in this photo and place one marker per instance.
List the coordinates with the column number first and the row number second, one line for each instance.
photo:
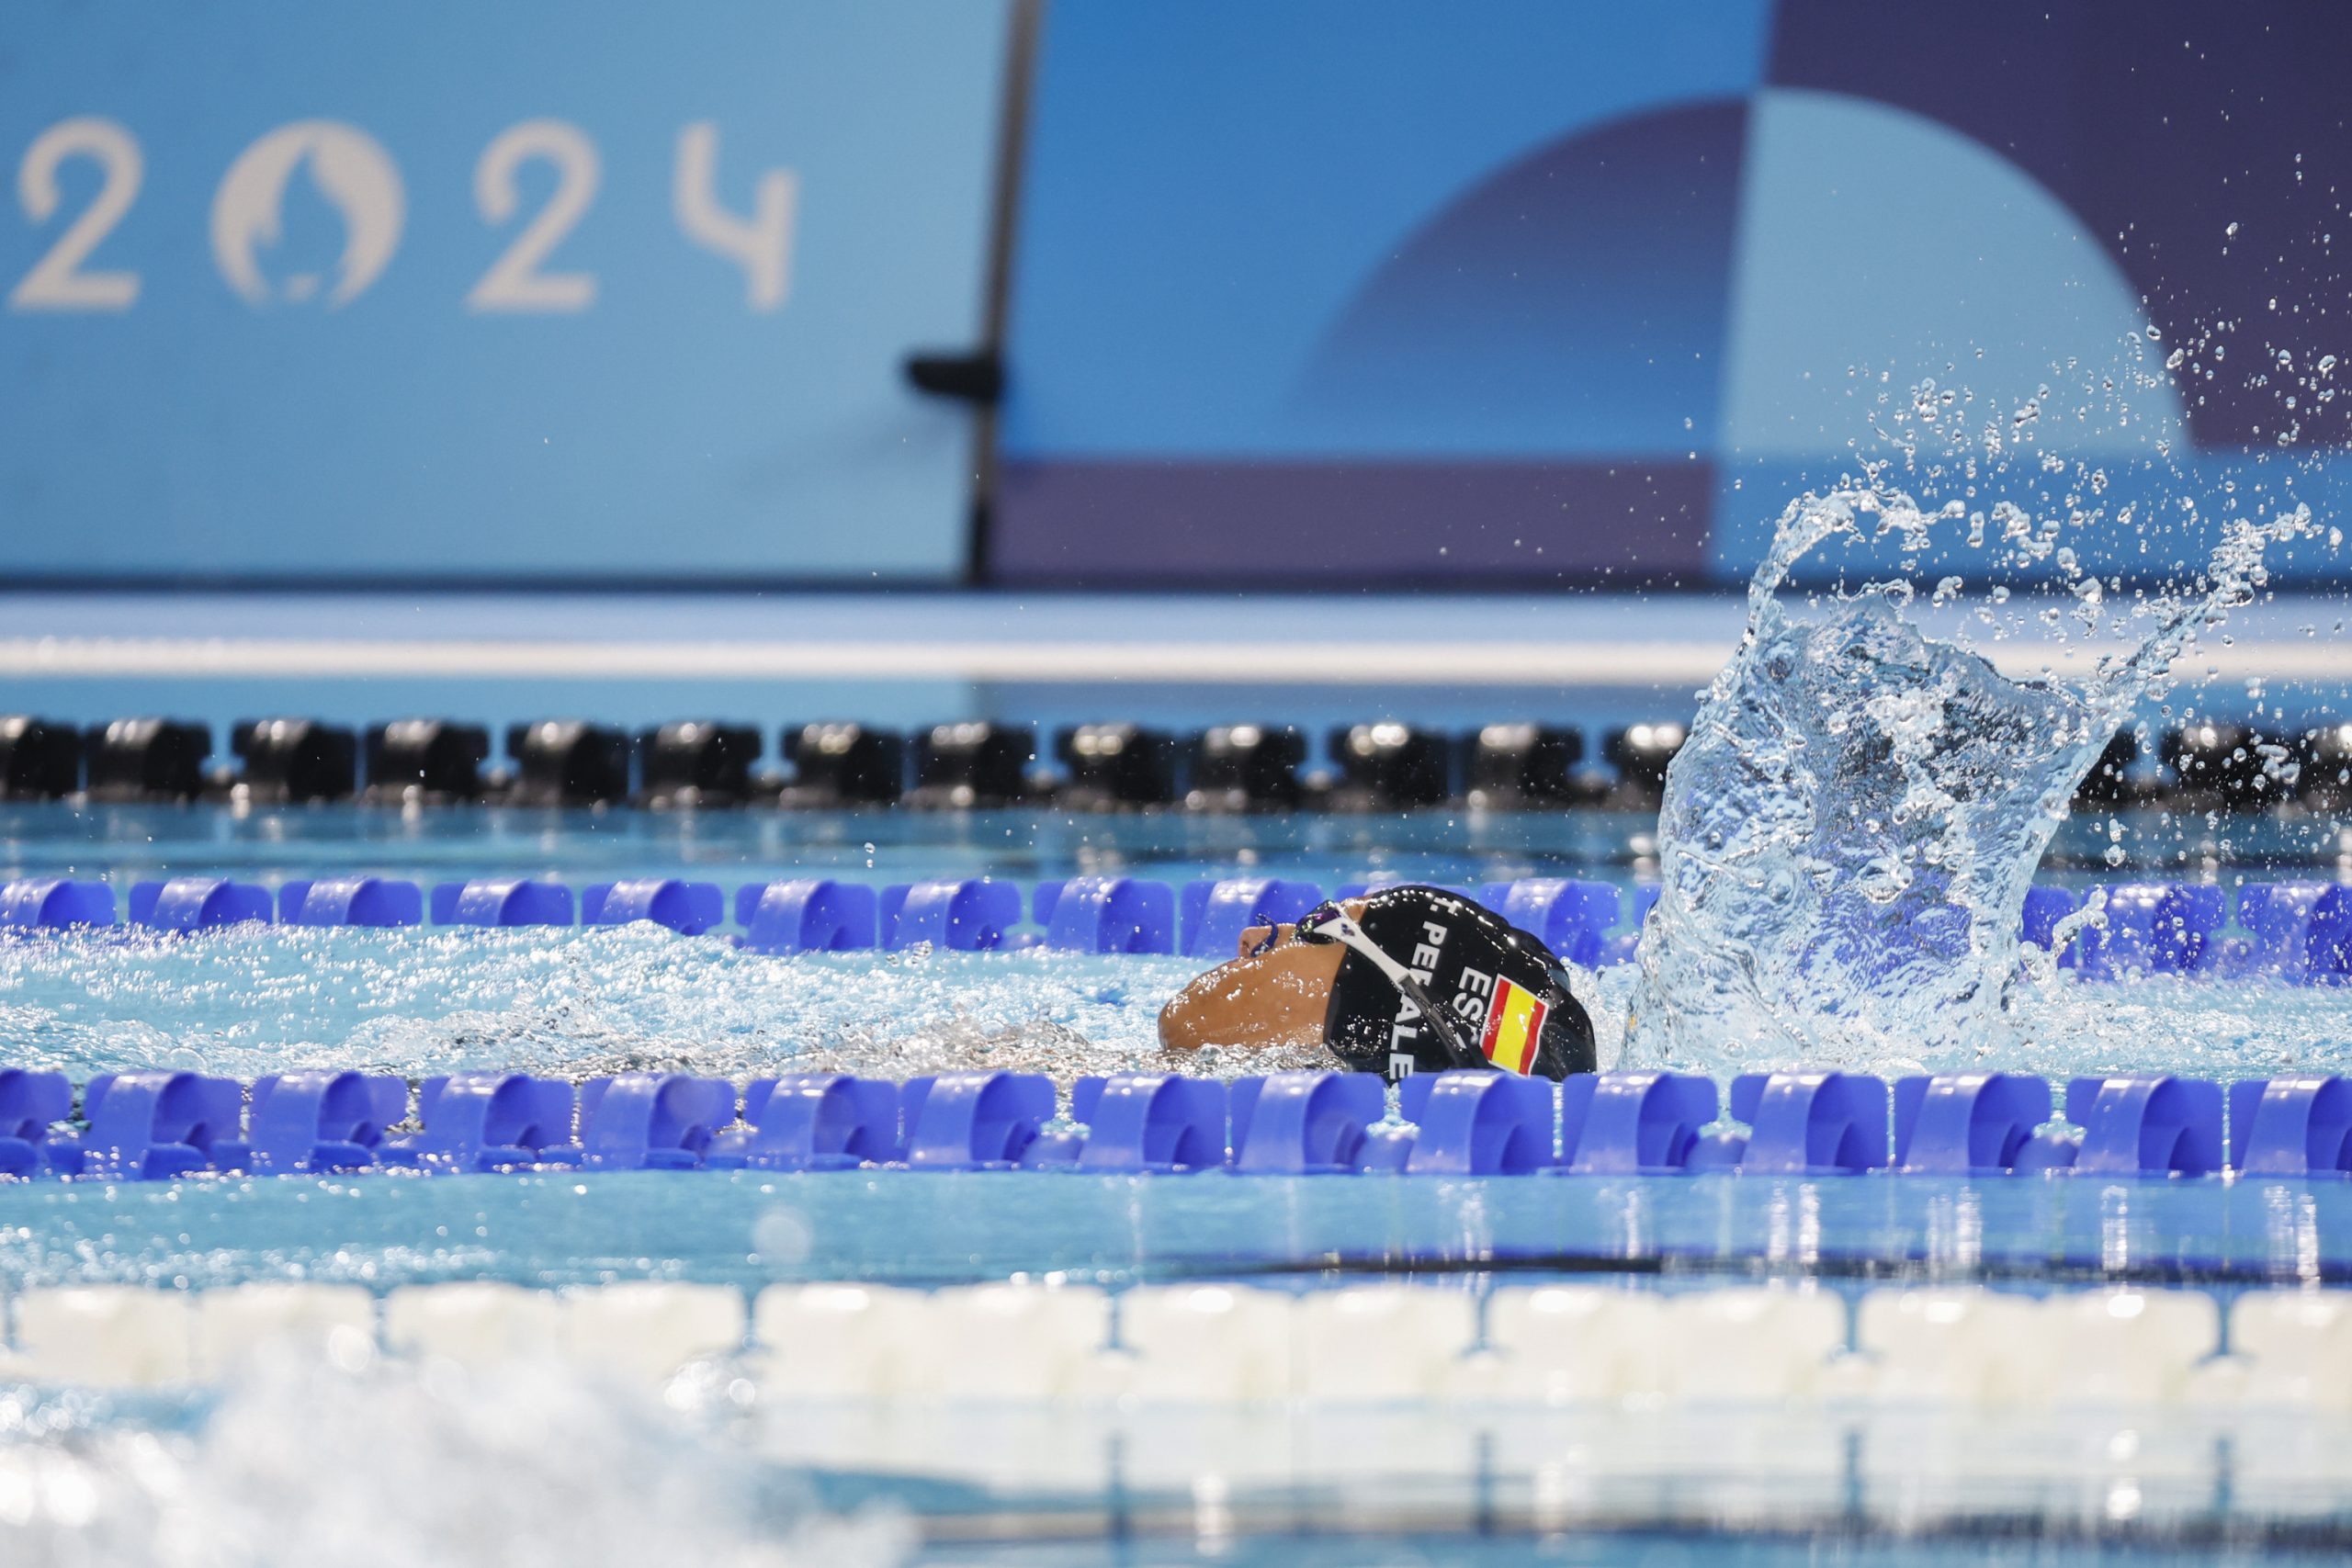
column 1505, row 998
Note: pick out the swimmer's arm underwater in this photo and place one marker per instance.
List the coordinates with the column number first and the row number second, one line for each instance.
column 1277, row 997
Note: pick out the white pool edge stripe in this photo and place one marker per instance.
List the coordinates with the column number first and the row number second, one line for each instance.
column 1382, row 663
column 1959, row 1345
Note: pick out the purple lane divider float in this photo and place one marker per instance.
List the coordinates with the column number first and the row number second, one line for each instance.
column 1151, row 1121
column 1811, row 1123
column 504, row 901
column 972, row 915
column 55, row 904
column 198, row 903
column 321, row 1120
column 2291, row 1126
column 30, row 1104
column 1479, row 1123
column 1108, row 914
column 1967, row 1123
column 2147, row 1126
column 1634, row 1124
column 1303, row 1124
column 1216, row 913
column 2298, row 931
column 371, row 901
column 689, row 908
column 152, row 1126
column 651, row 1120
column 813, row 1121
column 2153, row 929
column 476, row 1122
column 808, row 915
column 1573, row 918
column 974, row 1121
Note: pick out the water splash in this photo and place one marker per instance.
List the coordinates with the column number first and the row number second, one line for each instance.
column 1847, row 837
column 376, row 1463
column 579, row 1003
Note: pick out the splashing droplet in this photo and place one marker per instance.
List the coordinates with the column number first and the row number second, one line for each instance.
column 1849, row 834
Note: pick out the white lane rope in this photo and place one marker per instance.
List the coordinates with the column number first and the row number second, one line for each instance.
column 1388, row 662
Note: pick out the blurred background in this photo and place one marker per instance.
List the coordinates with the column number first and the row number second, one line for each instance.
column 913, row 361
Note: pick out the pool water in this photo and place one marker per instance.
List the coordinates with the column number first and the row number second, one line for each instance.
column 933, row 1228
column 243, row 1002
column 758, row 844
column 383, row 1450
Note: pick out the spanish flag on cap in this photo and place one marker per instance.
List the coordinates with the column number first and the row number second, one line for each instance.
column 1514, row 1026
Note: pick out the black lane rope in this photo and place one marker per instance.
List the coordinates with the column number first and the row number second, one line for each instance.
column 1859, row 1267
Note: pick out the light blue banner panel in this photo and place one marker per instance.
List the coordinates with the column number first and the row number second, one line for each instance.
column 1372, row 292
column 524, row 290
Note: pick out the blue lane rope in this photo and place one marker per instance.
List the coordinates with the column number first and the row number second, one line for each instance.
column 160, row 1125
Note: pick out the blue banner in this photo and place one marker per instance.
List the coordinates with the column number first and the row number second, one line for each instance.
column 1362, row 290
column 467, row 291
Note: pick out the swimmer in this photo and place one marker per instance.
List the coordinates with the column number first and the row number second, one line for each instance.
column 1406, row 980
